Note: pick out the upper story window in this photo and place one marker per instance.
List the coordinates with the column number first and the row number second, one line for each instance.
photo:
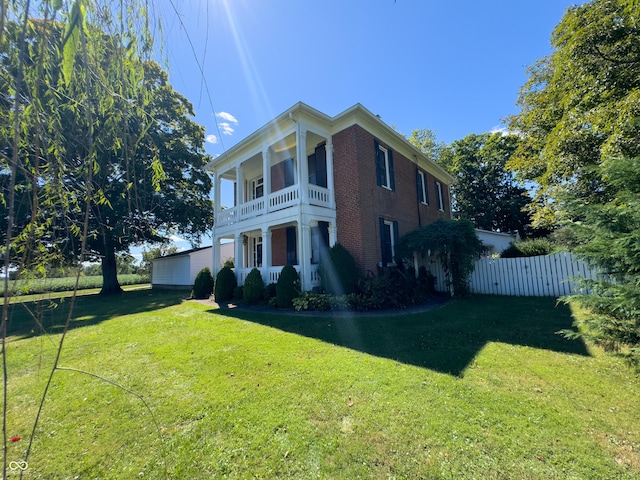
column 423, row 192
column 439, row 198
column 384, row 167
column 257, row 188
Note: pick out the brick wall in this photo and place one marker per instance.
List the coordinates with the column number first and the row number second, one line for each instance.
column 279, row 246
column 360, row 202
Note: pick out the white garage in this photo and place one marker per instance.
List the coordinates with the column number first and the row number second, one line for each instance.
column 179, row 270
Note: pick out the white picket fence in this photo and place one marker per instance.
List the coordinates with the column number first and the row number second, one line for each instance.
column 541, row 276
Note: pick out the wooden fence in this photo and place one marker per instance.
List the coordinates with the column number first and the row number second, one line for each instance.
column 541, row 276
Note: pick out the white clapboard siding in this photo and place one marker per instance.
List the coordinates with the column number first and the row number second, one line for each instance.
column 541, row 276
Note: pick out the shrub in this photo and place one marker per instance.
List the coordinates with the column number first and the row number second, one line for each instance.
column 288, row 287
column 253, row 287
column 238, row 292
column 270, row 292
column 225, row 284
column 529, row 248
column 426, row 281
column 203, row 284
column 312, row 301
column 339, row 272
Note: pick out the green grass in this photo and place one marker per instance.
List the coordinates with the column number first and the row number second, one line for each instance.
column 480, row 388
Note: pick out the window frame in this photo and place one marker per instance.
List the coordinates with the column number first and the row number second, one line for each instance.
column 423, row 192
column 439, row 196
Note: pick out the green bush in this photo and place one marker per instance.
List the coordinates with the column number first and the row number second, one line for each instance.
column 529, row 248
column 225, row 284
column 288, row 287
column 339, row 272
column 270, row 292
column 253, row 287
column 238, row 292
column 312, row 301
column 203, row 284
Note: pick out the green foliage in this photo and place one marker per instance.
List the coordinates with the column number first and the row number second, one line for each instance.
column 425, row 140
column 238, row 292
column 312, row 301
column 339, row 272
column 580, row 105
column 287, row 287
column 228, row 263
column 253, row 291
column 454, row 242
column 270, row 292
column 529, row 248
column 484, row 192
column 99, row 130
column 609, row 236
column 225, row 284
column 32, row 286
column 203, row 284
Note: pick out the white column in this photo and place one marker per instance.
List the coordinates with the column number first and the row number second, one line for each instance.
column 330, row 185
column 239, row 186
column 266, row 254
column 215, row 260
column 333, row 238
column 238, row 261
column 303, row 166
column 216, row 196
column 304, row 249
column 266, row 176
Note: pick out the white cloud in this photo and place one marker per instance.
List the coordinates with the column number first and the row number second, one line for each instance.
column 226, row 128
column 500, row 129
column 211, row 138
column 228, row 117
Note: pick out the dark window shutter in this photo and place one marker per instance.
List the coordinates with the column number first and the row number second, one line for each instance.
column 379, row 164
column 313, row 177
column 288, row 172
column 396, row 236
column 385, row 243
column 392, row 182
column 292, row 248
column 426, row 188
column 419, row 186
column 321, row 166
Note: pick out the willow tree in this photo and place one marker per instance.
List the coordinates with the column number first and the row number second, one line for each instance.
column 105, row 152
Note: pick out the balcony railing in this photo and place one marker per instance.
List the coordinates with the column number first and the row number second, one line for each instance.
column 285, row 198
column 273, row 273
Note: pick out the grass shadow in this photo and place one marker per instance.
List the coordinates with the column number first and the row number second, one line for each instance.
column 29, row 319
column 445, row 339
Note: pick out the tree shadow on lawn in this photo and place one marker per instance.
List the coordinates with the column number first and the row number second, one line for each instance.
column 444, row 339
column 30, row 319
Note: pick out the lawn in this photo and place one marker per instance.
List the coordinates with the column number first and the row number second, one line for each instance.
column 479, row 388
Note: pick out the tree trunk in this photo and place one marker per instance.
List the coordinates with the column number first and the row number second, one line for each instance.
column 110, row 284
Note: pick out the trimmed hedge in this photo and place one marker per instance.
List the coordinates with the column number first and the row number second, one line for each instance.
column 225, row 284
column 288, row 287
column 203, row 284
column 253, row 291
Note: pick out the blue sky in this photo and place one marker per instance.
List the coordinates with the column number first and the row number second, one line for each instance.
column 454, row 67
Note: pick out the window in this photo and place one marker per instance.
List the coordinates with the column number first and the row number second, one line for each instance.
column 439, row 200
column 384, row 167
column 257, row 188
column 318, row 167
column 289, row 176
column 292, row 246
column 388, row 237
column 319, row 242
column 423, row 193
column 257, row 252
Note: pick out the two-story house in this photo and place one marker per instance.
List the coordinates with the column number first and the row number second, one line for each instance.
column 307, row 180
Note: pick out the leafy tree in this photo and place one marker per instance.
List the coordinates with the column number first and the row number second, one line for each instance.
column 609, row 233
column 102, row 129
column 453, row 241
column 425, row 140
column 484, row 192
column 580, row 105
